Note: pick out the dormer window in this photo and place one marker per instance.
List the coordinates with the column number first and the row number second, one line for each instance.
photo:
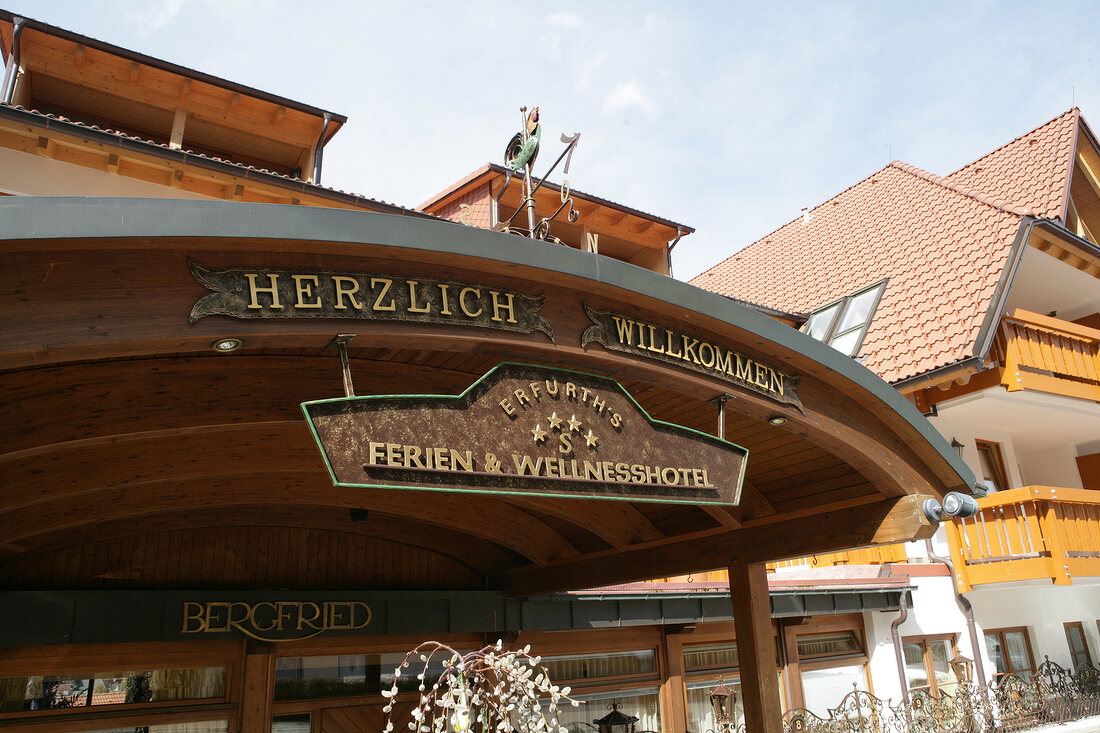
column 843, row 323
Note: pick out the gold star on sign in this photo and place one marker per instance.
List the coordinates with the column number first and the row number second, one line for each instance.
column 539, row 433
column 590, row 439
column 574, row 424
column 555, row 422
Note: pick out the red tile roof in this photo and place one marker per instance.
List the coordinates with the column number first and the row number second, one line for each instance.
column 942, row 242
column 1032, row 171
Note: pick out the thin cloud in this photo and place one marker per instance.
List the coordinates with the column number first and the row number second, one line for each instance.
column 150, row 17
column 627, row 95
column 563, row 20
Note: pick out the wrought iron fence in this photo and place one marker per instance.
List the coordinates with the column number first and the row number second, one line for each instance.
column 1012, row 703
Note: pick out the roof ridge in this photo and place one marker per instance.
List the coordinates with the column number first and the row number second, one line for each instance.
column 959, row 188
column 1076, row 111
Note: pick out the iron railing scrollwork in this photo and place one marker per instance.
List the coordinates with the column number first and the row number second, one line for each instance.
column 1052, row 694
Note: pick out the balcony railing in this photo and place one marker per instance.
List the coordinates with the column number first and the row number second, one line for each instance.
column 1027, row 534
column 1048, row 355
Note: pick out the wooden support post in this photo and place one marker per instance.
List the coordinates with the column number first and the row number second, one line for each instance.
column 258, row 687
column 675, row 717
column 175, row 142
column 756, row 648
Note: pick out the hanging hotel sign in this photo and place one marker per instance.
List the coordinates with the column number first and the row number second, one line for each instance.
column 629, row 335
column 527, row 430
column 270, row 293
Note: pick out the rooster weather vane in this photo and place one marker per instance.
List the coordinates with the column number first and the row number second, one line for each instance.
column 519, row 157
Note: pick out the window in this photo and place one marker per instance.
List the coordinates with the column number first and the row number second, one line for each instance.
column 632, row 677
column 50, row 692
column 829, row 646
column 1010, row 652
column 927, row 663
column 993, row 465
column 1078, row 647
column 344, row 675
column 843, row 323
column 579, row 668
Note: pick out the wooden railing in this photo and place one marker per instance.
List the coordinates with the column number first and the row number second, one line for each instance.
column 1048, row 355
column 1026, row 534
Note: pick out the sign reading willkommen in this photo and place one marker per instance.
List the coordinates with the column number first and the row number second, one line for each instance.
column 631, row 336
column 524, row 429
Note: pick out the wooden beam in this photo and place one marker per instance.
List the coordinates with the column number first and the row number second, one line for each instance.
column 175, row 142
column 134, row 69
column 755, row 648
column 881, row 522
column 112, row 163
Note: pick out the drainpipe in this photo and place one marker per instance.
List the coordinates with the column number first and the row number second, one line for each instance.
column 318, row 152
column 903, row 614
column 13, row 68
column 965, row 607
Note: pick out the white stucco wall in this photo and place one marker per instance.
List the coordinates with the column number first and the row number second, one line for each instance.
column 967, row 434
column 1039, row 606
column 34, row 175
column 933, row 611
column 1043, row 608
column 1055, row 466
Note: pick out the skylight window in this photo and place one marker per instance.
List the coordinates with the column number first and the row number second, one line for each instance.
column 843, row 323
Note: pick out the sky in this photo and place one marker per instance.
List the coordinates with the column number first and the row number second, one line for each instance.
column 726, row 117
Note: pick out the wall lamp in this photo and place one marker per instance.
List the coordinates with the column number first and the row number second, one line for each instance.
column 954, row 505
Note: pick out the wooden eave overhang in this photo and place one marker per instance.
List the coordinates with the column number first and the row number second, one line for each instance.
column 88, row 79
column 597, row 214
column 126, row 431
column 78, row 144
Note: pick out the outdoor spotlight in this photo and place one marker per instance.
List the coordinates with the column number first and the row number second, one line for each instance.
column 777, row 420
column 959, row 505
column 957, row 446
column 224, row 346
column 932, row 510
column 954, row 505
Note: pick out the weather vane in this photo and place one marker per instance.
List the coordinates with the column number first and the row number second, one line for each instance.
column 519, row 157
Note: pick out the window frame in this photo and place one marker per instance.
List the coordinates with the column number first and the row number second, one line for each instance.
column 996, row 459
column 1084, row 640
column 842, row 305
column 925, row 641
column 1007, row 659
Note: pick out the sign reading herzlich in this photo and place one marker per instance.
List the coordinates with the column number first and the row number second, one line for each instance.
column 524, row 429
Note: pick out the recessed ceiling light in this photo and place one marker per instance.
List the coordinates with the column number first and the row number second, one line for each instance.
column 777, row 420
column 224, row 346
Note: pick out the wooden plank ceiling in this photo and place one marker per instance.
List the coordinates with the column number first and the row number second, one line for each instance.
column 199, row 471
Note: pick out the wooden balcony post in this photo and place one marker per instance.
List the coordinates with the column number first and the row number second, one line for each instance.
column 1053, row 536
column 756, row 648
column 958, row 559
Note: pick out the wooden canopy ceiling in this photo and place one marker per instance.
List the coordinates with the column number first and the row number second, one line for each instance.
column 111, row 87
column 134, row 456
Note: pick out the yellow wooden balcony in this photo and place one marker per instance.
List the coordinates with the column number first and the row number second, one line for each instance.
column 1035, row 532
column 1048, row 355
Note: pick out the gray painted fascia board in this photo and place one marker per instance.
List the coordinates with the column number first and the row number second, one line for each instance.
column 48, row 217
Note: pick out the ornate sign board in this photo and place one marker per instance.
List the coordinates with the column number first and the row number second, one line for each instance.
column 268, row 293
column 525, row 430
column 621, row 333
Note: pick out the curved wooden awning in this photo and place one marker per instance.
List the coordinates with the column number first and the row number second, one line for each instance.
column 135, row 456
